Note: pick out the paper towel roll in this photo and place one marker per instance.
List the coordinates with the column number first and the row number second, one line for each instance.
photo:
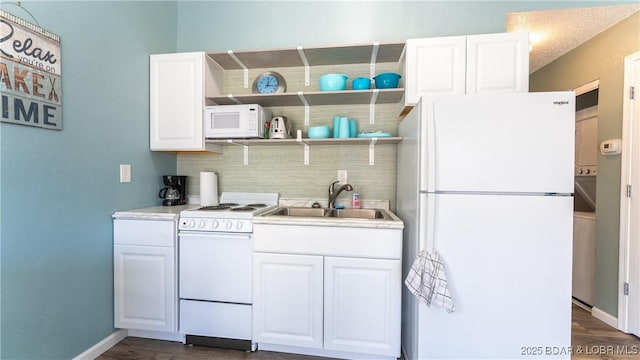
column 208, row 188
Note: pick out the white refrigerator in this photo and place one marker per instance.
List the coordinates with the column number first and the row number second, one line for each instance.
column 486, row 181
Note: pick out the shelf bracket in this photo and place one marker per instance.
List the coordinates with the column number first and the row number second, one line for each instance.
column 303, row 57
column 244, row 68
column 374, row 58
column 372, row 106
column 245, row 150
column 306, row 150
column 306, row 107
column 372, row 152
column 232, row 98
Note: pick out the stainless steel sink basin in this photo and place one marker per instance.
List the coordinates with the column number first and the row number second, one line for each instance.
column 332, row 213
column 359, row 213
column 301, row 211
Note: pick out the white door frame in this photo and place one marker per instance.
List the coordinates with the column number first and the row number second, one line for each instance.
column 629, row 271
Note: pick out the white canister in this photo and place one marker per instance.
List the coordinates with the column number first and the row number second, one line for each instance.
column 208, row 188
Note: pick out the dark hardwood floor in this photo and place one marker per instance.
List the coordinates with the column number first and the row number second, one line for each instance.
column 591, row 339
column 146, row 349
column 594, row 340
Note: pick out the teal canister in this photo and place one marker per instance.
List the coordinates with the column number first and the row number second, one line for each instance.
column 336, row 127
column 353, row 128
column 344, row 128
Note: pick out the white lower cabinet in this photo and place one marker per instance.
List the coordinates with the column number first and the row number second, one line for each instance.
column 145, row 291
column 287, row 304
column 362, row 305
column 339, row 304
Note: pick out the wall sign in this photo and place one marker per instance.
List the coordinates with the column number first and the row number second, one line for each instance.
column 30, row 74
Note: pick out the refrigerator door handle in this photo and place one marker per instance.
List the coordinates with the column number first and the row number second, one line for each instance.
column 428, row 147
column 428, row 221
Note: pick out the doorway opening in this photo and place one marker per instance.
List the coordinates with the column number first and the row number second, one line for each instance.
column 585, row 178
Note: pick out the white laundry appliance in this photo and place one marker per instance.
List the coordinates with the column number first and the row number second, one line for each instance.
column 486, row 181
column 584, row 245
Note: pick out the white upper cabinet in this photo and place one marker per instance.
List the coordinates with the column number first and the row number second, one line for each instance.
column 176, row 101
column 498, row 63
column 459, row 65
column 434, row 66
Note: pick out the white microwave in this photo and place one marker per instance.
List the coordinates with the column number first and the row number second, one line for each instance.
column 244, row 121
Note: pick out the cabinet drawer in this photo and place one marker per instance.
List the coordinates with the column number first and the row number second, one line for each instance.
column 144, row 232
column 225, row 320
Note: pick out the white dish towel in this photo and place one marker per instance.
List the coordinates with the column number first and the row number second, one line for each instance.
column 427, row 280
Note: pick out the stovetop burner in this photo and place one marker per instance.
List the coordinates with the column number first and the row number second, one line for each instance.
column 215, row 207
column 232, row 207
column 243, row 208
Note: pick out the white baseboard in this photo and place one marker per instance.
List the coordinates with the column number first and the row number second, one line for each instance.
column 157, row 335
column 604, row 317
column 581, row 305
column 104, row 345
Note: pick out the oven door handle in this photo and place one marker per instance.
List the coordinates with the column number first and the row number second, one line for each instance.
column 214, row 234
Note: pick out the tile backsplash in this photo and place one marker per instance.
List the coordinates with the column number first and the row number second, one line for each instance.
column 280, row 168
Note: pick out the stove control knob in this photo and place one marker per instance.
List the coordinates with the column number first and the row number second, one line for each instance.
column 239, row 225
column 201, row 224
column 215, row 224
column 192, row 223
column 228, row 224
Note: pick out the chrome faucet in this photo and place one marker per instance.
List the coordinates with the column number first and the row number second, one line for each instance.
column 333, row 193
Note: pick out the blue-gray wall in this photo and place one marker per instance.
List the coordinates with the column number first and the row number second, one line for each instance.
column 241, row 25
column 58, row 189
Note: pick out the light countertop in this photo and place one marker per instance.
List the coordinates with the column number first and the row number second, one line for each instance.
column 154, row 212
column 394, row 223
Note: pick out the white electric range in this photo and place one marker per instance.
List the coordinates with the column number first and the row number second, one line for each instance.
column 215, row 250
column 232, row 214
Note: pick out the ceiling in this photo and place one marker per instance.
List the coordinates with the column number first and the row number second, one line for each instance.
column 553, row 33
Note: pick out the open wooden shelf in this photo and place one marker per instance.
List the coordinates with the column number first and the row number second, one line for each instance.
column 327, row 141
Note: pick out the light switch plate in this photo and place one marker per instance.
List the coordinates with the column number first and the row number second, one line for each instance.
column 125, row 173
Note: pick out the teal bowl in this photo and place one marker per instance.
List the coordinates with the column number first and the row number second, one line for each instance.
column 318, row 132
column 333, row 82
column 387, row 80
column 361, row 83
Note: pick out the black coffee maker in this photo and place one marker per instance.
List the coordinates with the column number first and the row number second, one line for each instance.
column 175, row 190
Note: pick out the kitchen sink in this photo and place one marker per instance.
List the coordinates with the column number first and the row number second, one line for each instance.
column 332, row 213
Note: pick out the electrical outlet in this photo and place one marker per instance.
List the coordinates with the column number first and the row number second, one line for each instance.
column 342, row 176
column 125, row 173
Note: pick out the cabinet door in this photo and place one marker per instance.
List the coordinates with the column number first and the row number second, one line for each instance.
column 144, row 288
column 287, row 305
column 362, row 305
column 144, row 232
column 498, row 63
column 176, row 101
column 434, row 66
